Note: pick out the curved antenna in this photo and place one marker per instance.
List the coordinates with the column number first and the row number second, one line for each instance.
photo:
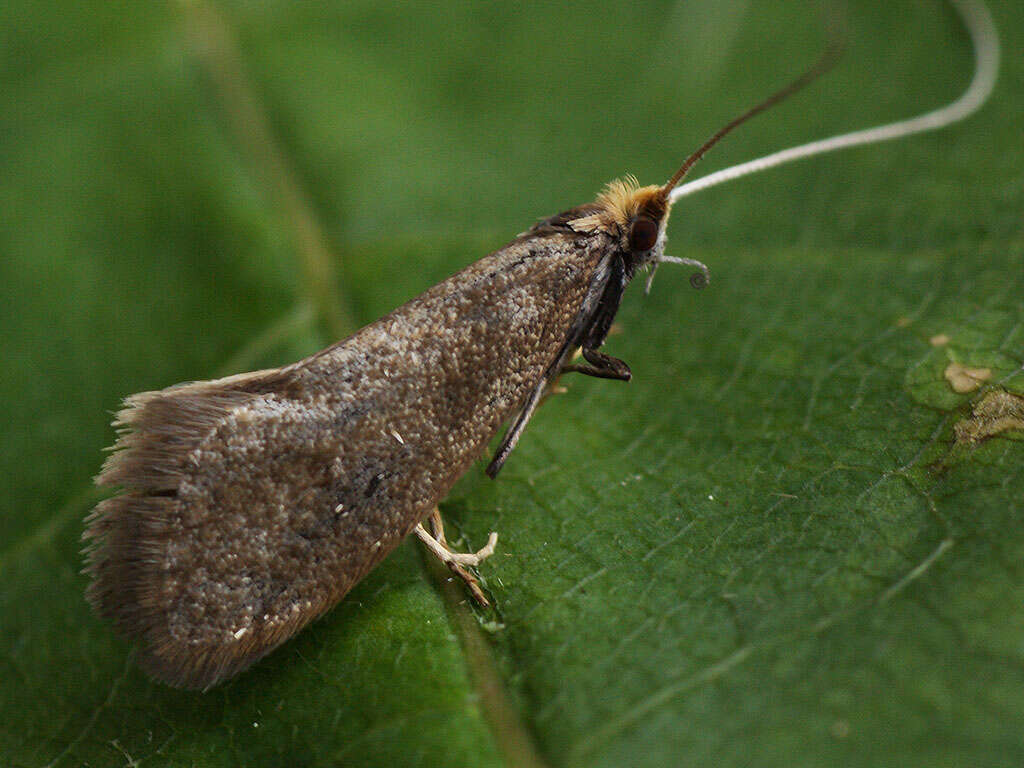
column 985, row 40
column 827, row 60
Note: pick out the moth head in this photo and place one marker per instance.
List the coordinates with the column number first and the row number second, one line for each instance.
column 637, row 217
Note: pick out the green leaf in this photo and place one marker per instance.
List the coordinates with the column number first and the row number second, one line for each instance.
column 771, row 547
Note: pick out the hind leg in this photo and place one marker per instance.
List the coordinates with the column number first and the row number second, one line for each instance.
column 436, row 542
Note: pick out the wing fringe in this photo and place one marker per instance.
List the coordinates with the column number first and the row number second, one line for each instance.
column 126, row 535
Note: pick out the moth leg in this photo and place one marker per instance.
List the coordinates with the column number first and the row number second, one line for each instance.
column 438, row 546
column 516, row 430
column 600, row 365
column 554, row 389
column 440, row 549
column 554, row 386
column 437, row 527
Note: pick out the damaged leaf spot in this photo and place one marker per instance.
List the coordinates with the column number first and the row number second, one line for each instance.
column 997, row 412
column 939, row 340
column 964, row 379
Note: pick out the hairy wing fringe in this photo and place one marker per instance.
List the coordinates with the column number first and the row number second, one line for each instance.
column 126, row 534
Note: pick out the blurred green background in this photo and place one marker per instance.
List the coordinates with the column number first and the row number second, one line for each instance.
column 768, row 548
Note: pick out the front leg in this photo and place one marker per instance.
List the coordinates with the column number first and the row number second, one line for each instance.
column 601, row 365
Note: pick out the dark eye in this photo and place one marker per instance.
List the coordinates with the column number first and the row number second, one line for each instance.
column 643, row 235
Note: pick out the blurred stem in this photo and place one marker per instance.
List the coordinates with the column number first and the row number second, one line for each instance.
column 215, row 45
column 511, row 734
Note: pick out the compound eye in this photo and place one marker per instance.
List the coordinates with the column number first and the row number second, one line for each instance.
column 644, row 234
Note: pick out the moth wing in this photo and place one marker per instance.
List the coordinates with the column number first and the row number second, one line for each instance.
column 252, row 504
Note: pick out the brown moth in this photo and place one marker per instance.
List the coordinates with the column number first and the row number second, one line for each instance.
column 250, row 505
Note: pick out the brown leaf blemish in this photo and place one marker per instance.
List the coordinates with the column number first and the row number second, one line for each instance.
column 997, row 412
column 939, row 340
column 964, row 379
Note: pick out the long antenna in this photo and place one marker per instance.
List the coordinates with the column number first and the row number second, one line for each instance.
column 985, row 40
column 828, row 59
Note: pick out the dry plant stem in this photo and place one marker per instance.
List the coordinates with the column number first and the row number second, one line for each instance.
column 438, row 545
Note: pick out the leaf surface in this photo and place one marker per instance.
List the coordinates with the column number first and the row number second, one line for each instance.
column 769, row 547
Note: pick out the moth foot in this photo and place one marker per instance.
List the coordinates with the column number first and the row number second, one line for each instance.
column 457, row 562
column 601, row 366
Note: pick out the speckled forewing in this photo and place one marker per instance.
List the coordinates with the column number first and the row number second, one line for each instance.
column 253, row 504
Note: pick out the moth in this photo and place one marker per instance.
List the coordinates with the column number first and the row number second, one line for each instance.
column 250, row 505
